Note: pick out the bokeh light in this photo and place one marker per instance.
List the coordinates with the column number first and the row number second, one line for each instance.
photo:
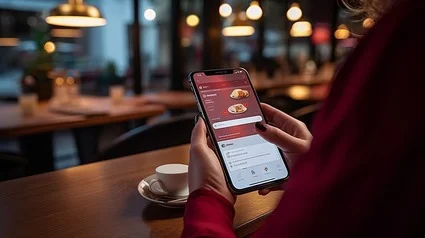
column 225, row 10
column 368, row 23
column 238, row 31
column 49, row 47
column 149, row 14
column 192, row 20
column 254, row 11
column 301, row 29
column 342, row 32
column 294, row 13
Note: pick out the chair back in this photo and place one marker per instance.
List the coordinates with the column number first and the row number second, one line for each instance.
column 171, row 132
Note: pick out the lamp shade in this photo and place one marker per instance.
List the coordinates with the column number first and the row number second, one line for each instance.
column 75, row 13
column 301, row 29
column 238, row 27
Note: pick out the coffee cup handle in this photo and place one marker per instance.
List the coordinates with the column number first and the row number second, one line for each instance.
column 160, row 191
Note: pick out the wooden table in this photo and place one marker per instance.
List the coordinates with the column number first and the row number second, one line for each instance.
column 172, row 99
column 101, row 200
column 13, row 123
column 35, row 132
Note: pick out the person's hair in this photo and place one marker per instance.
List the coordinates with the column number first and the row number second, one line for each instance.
column 368, row 8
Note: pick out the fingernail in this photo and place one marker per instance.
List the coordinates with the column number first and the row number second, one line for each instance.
column 196, row 119
column 260, row 126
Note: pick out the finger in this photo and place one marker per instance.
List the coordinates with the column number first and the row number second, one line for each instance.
column 276, row 116
column 284, row 121
column 283, row 140
column 199, row 134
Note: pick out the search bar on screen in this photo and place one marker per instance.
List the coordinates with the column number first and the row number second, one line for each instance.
column 237, row 122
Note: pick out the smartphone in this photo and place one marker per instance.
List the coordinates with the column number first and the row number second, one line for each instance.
column 230, row 108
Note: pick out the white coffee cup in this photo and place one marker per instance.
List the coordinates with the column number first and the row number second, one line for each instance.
column 28, row 103
column 116, row 93
column 172, row 180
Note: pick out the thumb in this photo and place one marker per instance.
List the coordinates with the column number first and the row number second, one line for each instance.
column 283, row 140
column 199, row 134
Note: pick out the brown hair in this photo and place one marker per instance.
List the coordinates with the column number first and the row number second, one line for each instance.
column 369, row 8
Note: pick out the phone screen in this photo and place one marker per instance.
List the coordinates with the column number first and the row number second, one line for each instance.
column 232, row 109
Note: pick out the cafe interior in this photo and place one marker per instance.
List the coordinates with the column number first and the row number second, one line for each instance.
column 94, row 95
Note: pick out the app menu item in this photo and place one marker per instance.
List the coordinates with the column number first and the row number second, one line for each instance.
column 239, row 94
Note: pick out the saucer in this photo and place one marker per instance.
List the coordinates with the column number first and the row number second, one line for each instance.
column 165, row 201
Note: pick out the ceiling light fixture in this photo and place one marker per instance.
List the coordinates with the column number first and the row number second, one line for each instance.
column 240, row 26
column 75, row 13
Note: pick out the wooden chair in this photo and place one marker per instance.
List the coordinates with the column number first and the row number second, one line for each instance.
column 171, row 132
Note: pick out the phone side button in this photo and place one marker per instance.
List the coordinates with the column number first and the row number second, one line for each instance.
column 199, row 107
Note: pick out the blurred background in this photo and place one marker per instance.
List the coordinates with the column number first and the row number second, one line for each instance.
column 290, row 48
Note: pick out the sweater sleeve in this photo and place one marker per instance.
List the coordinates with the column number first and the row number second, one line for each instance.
column 208, row 214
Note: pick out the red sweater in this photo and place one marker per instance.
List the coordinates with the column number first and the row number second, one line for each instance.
column 365, row 172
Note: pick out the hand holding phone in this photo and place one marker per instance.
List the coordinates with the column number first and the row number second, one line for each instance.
column 230, row 107
column 289, row 134
column 204, row 167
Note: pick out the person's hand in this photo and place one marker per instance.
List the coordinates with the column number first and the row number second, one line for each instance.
column 288, row 133
column 204, row 168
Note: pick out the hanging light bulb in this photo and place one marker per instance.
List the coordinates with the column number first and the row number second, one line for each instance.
column 225, row 10
column 301, row 29
column 254, row 11
column 294, row 13
column 149, row 14
column 342, row 32
column 192, row 20
column 75, row 14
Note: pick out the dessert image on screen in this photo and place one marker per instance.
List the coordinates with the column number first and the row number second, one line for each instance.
column 239, row 93
column 237, row 109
